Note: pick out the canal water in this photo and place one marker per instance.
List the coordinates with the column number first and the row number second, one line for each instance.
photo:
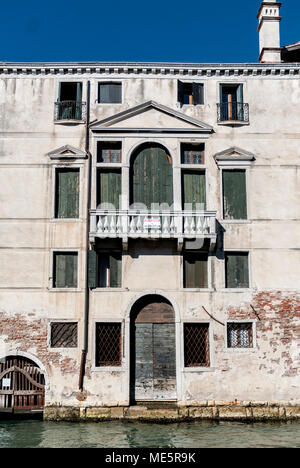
column 31, row 434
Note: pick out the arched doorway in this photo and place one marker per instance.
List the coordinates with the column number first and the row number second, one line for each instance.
column 151, row 176
column 153, row 350
column 22, row 385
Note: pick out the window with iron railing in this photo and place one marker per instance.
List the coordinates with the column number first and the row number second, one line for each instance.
column 69, row 105
column 232, row 107
column 63, row 335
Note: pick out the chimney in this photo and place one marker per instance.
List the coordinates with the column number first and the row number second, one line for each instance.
column 269, row 32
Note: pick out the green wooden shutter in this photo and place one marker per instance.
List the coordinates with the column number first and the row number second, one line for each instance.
column 195, row 270
column 237, row 270
column 180, row 91
column 194, row 191
column 92, row 270
column 110, row 187
column 152, row 177
column 65, row 270
column 115, row 270
column 234, row 194
column 198, row 93
column 67, row 193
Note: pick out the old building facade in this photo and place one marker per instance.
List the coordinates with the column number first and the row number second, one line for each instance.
column 149, row 232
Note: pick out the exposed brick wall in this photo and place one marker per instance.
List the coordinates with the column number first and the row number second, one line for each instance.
column 31, row 336
column 278, row 326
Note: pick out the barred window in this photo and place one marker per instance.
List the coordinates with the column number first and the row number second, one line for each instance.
column 192, row 153
column 63, row 335
column 239, row 335
column 196, row 345
column 108, row 344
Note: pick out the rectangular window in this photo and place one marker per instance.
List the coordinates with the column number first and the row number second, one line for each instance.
column 239, row 335
column 67, row 193
column 109, row 188
column 237, row 270
column 109, row 152
column 192, row 153
column 195, row 270
column 63, row 335
column 193, row 190
column 196, row 345
column 109, row 270
column 234, row 194
column 110, row 93
column 65, row 269
column 231, row 102
column 69, row 103
column 190, row 93
column 108, row 344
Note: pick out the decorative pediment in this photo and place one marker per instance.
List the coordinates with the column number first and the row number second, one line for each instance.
column 67, row 152
column 234, row 157
column 151, row 117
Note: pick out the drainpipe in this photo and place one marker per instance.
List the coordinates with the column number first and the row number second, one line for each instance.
column 88, row 207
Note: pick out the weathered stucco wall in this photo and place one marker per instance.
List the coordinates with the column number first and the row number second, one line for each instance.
column 29, row 234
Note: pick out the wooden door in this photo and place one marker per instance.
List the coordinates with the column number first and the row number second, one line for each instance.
column 154, row 353
column 22, row 385
column 152, row 176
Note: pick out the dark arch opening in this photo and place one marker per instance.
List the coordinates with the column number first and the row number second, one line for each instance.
column 151, row 176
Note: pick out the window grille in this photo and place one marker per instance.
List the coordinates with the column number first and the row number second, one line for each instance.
column 240, row 335
column 63, row 335
column 196, row 345
column 192, row 154
column 108, row 344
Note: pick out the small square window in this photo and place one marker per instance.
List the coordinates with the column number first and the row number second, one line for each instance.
column 196, row 345
column 239, row 335
column 108, row 344
column 190, row 93
column 192, row 153
column 63, row 335
column 110, row 93
column 109, row 152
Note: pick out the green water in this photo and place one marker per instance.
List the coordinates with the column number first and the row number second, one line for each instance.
column 30, row 433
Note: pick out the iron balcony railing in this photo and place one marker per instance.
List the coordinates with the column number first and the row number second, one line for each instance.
column 233, row 112
column 138, row 224
column 69, row 110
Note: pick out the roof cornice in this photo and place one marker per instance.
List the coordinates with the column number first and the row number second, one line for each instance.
column 115, row 69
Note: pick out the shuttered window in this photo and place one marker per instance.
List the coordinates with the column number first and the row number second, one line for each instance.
column 195, row 267
column 237, row 270
column 63, row 335
column 196, row 345
column 239, row 335
column 109, row 152
column 234, row 194
column 190, row 93
column 192, row 154
column 67, row 193
column 109, row 188
column 108, row 344
column 194, row 191
column 105, row 269
column 110, row 93
column 65, row 269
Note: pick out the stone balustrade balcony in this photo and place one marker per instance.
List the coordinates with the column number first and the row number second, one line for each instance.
column 124, row 224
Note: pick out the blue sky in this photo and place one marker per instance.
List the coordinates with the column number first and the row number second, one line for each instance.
column 156, row 30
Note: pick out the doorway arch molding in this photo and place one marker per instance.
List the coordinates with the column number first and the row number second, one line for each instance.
column 153, row 292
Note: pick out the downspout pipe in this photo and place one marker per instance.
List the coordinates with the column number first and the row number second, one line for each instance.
column 88, row 207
